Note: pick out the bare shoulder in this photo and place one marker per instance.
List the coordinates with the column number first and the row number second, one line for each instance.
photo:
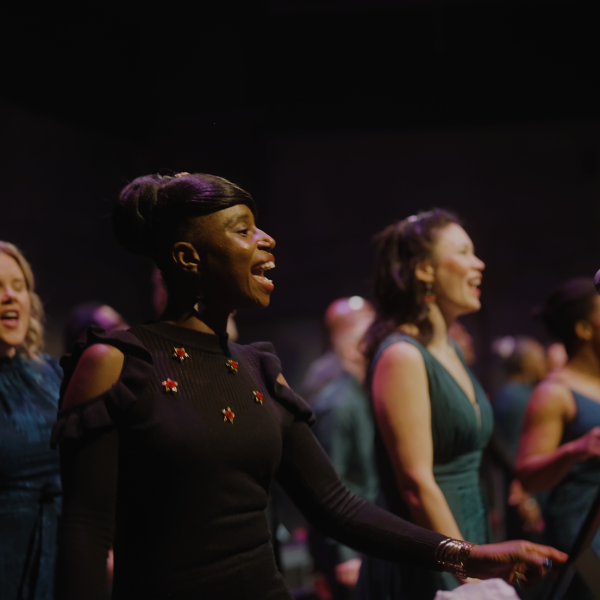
column 400, row 376
column 552, row 398
column 401, row 355
column 98, row 369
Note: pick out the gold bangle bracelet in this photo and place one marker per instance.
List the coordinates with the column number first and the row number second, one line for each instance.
column 453, row 555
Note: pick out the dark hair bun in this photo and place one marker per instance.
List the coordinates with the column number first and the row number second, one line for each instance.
column 170, row 202
column 570, row 302
column 133, row 214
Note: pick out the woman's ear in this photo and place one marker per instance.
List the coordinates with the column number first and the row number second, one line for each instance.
column 186, row 257
column 584, row 330
column 424, row 271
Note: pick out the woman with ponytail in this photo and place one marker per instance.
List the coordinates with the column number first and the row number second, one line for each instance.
column 29, row 470
column 432, row 416
column 170, row 434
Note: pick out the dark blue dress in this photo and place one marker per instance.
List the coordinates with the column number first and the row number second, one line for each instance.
column 571, row 499
column 29, row 477
column 460, row 431
column 510, row 403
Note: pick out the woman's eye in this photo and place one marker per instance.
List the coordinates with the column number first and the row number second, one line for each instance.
column 243, row 231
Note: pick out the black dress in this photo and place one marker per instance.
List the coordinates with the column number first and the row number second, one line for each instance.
column 180, row 479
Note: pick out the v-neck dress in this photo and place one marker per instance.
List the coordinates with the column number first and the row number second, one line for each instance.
column 570, row 501
column 173, row 465
column 460, row 432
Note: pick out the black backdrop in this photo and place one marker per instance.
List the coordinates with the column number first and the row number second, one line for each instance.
column 338, row 117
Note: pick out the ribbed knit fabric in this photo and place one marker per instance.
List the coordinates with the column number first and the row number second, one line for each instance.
column 191, row 486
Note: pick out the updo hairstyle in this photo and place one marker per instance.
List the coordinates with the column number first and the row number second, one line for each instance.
column 398, row 294
column 153, row 211
column 34, row 339
column 569, row 303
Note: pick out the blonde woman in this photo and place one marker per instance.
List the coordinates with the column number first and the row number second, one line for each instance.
column 29, row 470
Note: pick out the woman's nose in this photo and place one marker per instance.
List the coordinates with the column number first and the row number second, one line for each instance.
column 8, row 295
column 266, row 241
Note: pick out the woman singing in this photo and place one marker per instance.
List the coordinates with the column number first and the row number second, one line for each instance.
column 560, row 441
column 433, row 418
column 29, row 469
column 170, row 435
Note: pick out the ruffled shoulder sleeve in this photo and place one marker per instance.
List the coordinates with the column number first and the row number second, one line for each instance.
column 271, row 367
column 104, row 410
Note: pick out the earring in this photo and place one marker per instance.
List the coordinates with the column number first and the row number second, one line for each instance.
column 429, row 295
column 199, row 306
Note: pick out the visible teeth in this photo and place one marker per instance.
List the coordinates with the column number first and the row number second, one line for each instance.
column 10, row 314
column 268, row 265
column 268, row 280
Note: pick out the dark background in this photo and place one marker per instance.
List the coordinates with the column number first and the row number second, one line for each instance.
column 339, row 117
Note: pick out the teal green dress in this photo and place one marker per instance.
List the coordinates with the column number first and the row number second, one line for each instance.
column 570, row 501
column 460, row 432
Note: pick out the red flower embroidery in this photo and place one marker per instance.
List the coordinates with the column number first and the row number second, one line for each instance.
column 180, row 353
column 258, row 397
column 228, row 414
column 170, row 385
column 232, row 365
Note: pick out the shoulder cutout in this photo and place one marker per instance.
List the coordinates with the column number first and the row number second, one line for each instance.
column 98, row 369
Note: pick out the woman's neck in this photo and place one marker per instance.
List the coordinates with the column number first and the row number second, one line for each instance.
column 185, row 314
column 440, row 325
column 7, row 351
column 585, row 362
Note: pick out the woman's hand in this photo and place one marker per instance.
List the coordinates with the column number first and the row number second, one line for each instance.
column 588, row 445
column 528, row 508
column 513, row 561
column 347, row 572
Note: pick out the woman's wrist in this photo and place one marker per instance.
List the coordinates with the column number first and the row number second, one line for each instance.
column 454, row 555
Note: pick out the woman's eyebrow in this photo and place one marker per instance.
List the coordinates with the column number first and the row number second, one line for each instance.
column 235, row 220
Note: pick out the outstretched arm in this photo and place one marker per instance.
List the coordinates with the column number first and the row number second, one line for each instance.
column 89, row 475
column 308, row 477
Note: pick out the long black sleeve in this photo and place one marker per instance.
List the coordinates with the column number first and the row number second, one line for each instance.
column 307, row 475
column 89, row 475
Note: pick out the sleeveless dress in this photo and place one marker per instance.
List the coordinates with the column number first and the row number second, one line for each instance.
column 570, row 501
column 30, row 500
column 460, row 432
column 198, row 428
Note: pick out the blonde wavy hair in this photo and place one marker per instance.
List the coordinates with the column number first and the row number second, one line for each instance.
column 34, row 339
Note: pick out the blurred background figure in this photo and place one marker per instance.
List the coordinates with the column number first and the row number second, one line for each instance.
column 556, row 356
column 328, row 367
column 560, row 442
column 90, row 314
column 344, row 428
column 523, row 361
column 30, row 501
column 523, row 365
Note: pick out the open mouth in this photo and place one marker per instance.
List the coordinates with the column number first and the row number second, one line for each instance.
column 474, row 285
column 10, row 319
column 258, row 272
